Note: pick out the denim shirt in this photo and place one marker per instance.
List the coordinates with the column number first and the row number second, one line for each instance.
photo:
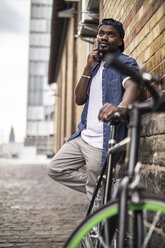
column 112, row 92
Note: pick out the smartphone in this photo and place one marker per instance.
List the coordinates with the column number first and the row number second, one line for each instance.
column 100, row 53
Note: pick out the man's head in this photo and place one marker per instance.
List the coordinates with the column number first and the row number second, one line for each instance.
column 110, row 36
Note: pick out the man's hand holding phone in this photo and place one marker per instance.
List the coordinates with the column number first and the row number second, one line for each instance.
column 93, row 57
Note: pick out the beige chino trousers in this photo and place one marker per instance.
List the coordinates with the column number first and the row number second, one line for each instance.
column 65, row 166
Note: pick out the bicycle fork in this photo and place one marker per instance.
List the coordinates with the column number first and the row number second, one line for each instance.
column 137, row 219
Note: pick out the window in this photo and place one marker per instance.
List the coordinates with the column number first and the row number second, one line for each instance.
column 32, row 128
column 35, row 113
column 49, row 112
column 41, row 11
column 38, row 25
column 39, row 54
column 46, row 2
column 48, row 98
column 36, row 83
column 40, row 40
column 35, row 98
column 45, row 83
column 38, row 68
column 46, row 128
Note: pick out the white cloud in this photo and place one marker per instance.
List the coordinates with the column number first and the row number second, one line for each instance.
column 14, row 70
column 12, row 15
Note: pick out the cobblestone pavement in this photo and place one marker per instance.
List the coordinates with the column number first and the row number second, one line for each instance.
column 35, row 211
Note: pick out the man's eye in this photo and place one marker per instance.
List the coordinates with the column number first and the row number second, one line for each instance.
column 101, row 33
column 111, row 34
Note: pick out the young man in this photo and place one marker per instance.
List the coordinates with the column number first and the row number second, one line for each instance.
column 104, row 91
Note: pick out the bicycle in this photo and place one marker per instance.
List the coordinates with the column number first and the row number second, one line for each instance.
column 135, row 218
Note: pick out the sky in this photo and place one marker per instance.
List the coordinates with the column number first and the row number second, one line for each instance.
column 14, row 47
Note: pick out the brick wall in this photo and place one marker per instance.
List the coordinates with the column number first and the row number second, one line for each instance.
column 144, row 22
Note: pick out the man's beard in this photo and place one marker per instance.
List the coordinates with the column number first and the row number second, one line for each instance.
column 104, row 51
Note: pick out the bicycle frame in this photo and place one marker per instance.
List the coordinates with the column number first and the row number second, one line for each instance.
column 156, row 104
column 114, row 222
column 136, row 110
column 106, row 173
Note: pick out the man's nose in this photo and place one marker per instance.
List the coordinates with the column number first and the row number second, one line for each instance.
column 105, row 37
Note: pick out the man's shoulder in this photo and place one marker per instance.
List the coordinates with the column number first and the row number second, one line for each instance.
column 128, row 60
column 125, row 58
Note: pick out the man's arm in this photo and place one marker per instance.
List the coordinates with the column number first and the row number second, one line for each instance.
column 130, row 95
column 82, row 86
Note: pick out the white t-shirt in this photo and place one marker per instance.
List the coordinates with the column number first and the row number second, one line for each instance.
column 93, row 133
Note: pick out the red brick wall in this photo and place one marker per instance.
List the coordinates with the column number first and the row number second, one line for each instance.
column 144, row 22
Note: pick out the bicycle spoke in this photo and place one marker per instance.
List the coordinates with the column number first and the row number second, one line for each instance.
column 153, row 225
column 93, row 239
column 101, row 241
column 90, row 230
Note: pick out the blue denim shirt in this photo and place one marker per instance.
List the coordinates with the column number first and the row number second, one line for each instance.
column 112, row 92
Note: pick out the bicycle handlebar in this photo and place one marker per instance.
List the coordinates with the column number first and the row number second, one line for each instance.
column 142, row 79
column 117, row 118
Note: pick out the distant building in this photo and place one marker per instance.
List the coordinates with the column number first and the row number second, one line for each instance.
column 40, row 105
column 12, row 136
column 14, row 149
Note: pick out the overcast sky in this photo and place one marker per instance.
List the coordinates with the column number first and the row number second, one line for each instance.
column 14, row 38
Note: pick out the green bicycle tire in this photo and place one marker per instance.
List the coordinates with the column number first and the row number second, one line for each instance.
column 109, row 211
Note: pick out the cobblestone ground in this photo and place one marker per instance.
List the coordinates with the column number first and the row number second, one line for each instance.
column 35, row 211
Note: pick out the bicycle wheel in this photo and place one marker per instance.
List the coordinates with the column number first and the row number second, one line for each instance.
column 88, row 234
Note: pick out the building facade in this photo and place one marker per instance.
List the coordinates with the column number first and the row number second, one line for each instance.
column 76, row 22
column 40, row 105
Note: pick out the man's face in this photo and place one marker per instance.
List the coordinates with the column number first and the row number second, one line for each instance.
column 108, row 39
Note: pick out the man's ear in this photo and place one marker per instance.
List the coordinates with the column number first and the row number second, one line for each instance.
column 120, row 42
